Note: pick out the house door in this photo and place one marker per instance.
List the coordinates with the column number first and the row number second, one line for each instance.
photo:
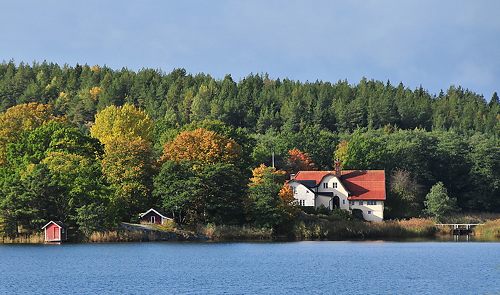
column 153, row 219
column 336, row 202
column 56, row 233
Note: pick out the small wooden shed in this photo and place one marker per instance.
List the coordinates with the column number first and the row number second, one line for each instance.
column 153, row 216
column 55, row 232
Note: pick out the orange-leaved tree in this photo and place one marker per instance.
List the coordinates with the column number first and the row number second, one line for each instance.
column 202, row 146
column 286, row 194
column 298, row 160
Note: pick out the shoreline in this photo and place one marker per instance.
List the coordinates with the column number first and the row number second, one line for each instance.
column 309, row 228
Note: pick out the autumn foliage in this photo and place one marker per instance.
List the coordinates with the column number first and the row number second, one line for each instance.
column 298, row 161
column 127, row 160
column 202, row 146
column 286, row 194
column 23, row 117
column 258, row 174
column 341, row 151
column 126, row 121
column 126, row 133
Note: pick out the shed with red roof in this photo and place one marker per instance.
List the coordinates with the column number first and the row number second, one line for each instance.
column 55, row 232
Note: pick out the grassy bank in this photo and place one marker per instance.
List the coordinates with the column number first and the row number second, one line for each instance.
column 312, row 227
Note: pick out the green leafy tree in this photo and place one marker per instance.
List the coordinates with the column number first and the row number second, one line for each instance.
column 406, row 195
column 265, row 207
column 52, row 171
column 210, row 193
column 438, row 203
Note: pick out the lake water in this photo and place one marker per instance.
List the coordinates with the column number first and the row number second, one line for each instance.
column 252, row 268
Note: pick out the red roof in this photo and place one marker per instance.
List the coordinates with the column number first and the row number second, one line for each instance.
column 361, row 184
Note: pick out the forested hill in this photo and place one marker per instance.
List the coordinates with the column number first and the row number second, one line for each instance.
column 91, row 146
column 256, row 102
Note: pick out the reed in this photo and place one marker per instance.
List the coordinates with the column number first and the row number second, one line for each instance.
column 127, row 236
column 235, row 233
column 489, row 230
column 481, row 217
column 38, row 238
column 311, row 228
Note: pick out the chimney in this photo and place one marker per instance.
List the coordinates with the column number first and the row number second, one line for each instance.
column 338, row 168
column 292, row 176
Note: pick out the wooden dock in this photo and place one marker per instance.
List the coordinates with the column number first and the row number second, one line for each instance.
column 459, row 229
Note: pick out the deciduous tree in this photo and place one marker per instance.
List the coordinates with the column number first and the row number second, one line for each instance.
column 23, row 117
column 438, row 203
column 202, row 146
column 298, row 160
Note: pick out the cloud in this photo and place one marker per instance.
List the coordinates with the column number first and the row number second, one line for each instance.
column 433, row 43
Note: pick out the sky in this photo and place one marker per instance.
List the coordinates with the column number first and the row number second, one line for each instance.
column 426, row 42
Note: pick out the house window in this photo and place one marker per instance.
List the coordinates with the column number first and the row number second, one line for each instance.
column 371, row 202
column 369, row 212
column 361, row 203
column 294, row 190
column 351, row 202
column 343, row 202
column 302, row 202
column 334, row 185
column 325, row 185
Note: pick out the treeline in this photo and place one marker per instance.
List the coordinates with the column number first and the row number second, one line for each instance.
column 256, row 103
column 91, row 146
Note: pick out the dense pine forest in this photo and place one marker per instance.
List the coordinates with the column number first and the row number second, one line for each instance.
column 92, row 146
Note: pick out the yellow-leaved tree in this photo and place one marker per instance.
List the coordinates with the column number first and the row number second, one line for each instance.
column 341, row 152
column 126, row 121
column 23, row 117
column 258, row 174
column 126, row 133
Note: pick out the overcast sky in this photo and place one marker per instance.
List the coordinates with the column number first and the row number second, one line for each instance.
column 430, row 43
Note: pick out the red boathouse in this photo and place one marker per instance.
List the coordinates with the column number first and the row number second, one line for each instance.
column 55, row 232
column 153, row 216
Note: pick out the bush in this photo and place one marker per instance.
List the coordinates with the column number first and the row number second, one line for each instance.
column 358, row 214
column 340, row 214
column 322, row 210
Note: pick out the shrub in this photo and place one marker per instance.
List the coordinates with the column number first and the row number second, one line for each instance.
column 358, row 214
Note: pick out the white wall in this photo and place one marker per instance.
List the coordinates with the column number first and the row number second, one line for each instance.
column 377, row 211
column 301, row 192
column 340, row 191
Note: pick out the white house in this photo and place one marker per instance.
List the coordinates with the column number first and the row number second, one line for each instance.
column 346, row 189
